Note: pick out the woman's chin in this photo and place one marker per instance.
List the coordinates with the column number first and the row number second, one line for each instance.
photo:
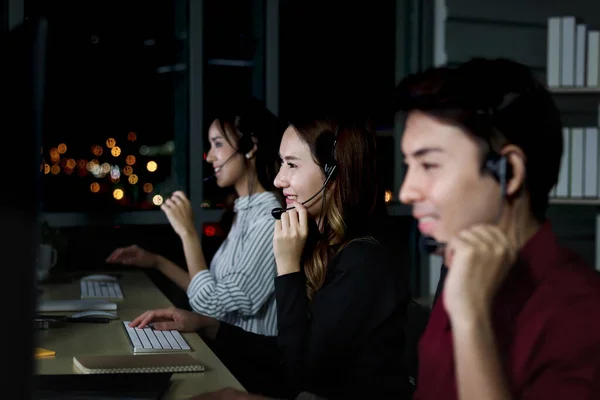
column 222, row 183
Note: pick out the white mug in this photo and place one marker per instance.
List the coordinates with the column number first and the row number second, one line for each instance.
column 47, row 258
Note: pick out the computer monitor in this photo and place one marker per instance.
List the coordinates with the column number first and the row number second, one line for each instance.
column 22, row 55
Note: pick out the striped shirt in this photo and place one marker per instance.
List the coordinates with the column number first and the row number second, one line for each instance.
column 239, row 286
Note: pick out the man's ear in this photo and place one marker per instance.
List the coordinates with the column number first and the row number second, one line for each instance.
column 516, row 165
column 250, row 154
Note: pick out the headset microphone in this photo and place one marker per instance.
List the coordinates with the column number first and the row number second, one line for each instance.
column 208, row 178
column 276, row 212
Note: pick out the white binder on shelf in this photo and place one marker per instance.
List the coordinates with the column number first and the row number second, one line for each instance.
column 562, row 187
column 577, row 154
column 593, row 59
column 590, row 170
column 553, row 55
column 568, row 44
column 580, row 54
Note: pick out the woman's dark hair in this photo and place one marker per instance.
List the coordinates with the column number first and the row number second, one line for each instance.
column 498, row 102
column 250, row 122
column 352, row 194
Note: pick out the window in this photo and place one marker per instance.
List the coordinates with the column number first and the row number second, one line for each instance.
column 228, row 28
column 234, row 66
column 338, row 57
column 386, row 151
column 116, row 117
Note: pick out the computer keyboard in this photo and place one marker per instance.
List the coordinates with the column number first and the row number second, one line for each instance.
column 148, row 340
column 98, row 289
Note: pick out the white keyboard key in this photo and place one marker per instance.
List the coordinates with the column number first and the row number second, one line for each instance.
column 153, row 340
column 94, row 289
column 163, row 340
column 135, row 340
column 142, row 335
column 172, row 341
column 148, row 340
column 180, row 340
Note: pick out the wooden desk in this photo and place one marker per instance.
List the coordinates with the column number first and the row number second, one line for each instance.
column 140, row 294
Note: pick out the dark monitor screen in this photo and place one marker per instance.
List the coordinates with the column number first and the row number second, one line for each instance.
column 22, row 53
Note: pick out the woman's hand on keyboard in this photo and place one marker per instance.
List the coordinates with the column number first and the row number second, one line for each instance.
column 174, row 319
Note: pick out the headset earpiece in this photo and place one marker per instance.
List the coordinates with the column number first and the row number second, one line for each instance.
column 330, row 171
column 330, row 167
column 500, row 169
column 245, row 144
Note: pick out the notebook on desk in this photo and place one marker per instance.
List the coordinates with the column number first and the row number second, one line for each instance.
column 151, row 363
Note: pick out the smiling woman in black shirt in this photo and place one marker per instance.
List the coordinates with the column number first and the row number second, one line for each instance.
column 340, row 296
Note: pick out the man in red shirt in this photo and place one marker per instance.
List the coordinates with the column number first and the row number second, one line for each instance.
column 519, row 316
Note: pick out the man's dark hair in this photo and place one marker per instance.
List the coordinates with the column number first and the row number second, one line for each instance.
column 498, row 102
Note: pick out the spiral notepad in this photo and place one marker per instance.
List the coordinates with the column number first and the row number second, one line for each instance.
column 126, row 364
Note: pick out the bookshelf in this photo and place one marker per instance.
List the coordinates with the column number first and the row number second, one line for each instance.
column 575, row 201
column 576, row 90
column 592, row 92
column 572, row 71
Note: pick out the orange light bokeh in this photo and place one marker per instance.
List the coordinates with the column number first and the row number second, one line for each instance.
column 115, row 151
column 130, row 159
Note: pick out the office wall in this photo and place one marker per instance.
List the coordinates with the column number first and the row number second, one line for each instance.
column 516, row 29
column 508, row 28
column 342, row 56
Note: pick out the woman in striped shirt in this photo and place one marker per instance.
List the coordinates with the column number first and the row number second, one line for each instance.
column 239, row 286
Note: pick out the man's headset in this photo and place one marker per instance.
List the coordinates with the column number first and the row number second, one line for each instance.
column 245, row 146
column 501, row 170
column 330, row 170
